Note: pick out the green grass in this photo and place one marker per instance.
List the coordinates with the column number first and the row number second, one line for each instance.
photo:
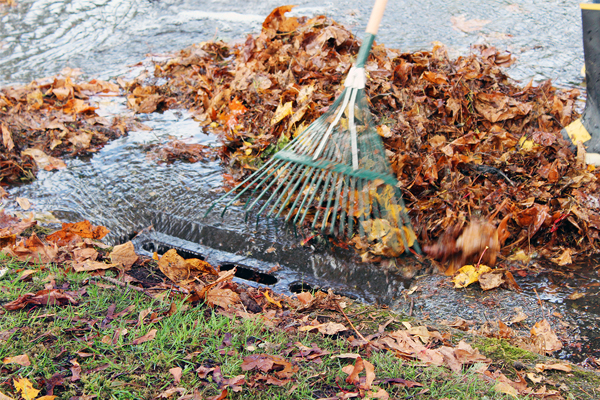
column 190, row 338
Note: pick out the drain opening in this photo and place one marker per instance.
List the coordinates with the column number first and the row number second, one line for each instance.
column 162, row 249
column 300, row 287
column 250, row 274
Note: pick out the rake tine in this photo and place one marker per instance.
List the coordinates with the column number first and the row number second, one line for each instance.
column 344, row 205
column 351, row 206
column 250, row 178
column 298, row 179
column 362, row 207
column 312, row 196
column 321, row 198
column 283, row 180
column 306, row 183
column 333, row 124
column 327, row 211
column 340, row 186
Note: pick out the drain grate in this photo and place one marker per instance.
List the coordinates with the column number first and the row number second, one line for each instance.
column 250, row 274
column 161, row 249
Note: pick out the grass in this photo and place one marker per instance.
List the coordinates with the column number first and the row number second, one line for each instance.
column 112, row 367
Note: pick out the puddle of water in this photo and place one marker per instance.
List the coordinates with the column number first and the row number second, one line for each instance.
column 40, row 37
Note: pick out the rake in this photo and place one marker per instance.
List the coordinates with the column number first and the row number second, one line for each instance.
column 335, row 172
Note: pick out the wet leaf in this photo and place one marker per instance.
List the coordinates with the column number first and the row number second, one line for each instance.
column 469, row 274
column 305, row 297
column 460, row 23
column 491, row 280
column 23, row 203
column 83, row 229
column 7, row 140
column 222, row 298
column 564, row 258
column 549, row 342
column 43, row 160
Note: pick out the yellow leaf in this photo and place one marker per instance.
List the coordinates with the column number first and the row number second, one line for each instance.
column 46, row 398
column 469, row 274
column 503, row 387
column 577, row 132
column 527, row 145
column 26, row 388
column 283, row 110
column 271, row 300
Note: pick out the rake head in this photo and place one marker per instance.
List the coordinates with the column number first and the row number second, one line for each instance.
column 334, row 177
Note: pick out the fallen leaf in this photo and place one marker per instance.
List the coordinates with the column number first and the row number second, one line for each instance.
column 25, row 388
column 5, row 397
column 124, row 254
column 83, row 229
column 43, row 160
column 506, row 388
column 7, row 140
column 283, row 110
column 469, row 274
column 49, row 297
column 556, row 366
column 491, row 280
column 564, row 258
column 549, row 341
column 146, row 338
column 462, row 24
column 176, row 372
column 90, row 265
column 75, row 371
column 23, row 360
column 222, row 297
column 24, row 203
column 305, row 297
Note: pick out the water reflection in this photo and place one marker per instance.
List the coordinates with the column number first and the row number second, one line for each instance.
column 40, row 37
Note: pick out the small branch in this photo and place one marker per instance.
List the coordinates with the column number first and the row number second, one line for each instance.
column 351, row 324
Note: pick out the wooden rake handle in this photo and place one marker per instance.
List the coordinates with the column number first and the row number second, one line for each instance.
column 376, row 15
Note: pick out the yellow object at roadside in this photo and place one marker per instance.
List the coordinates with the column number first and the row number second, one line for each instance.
column 469, row 274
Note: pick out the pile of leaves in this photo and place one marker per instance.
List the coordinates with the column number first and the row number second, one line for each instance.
column 76, row 247
column 51, row 118
column 465, row 141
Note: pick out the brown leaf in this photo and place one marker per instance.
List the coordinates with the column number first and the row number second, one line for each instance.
column 43, row 160
column 49, row 297
column 91, row 265
column 549, row 341
column 124, row 254
column 305, row 297
column 176, row 372
column 75, row 371
column 491, row 280
column 500, row 107
column 23, row 360
column 146, row 338
column 277, row 21
column 564, row 258
column 7, row 138
column 222, row 297
column 267, row 363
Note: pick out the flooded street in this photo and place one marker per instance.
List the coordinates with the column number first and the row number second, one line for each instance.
column 124, row 189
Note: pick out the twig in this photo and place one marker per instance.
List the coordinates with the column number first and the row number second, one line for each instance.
column 127, row 285
column 410, row 310
column 351, row 324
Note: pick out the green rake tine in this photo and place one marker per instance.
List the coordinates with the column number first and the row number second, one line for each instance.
column 293, row 207
column 287, row 173
column 321, row 198
column 328, row 208
column 251, row 177
column 340, row 186
column 265, row 190
column 337, row 118
column 351, row 206
column 362, row 206
column 298, row 179
column 344, row 205
column 312, row 196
